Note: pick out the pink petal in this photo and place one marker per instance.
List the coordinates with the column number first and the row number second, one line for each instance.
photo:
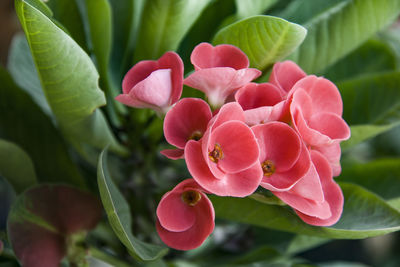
column 133, row 102
column 138, row 73
column 255, row 95
column 219, row 82
column 332, row 153
column 331, row 125
column 228, row 112
column 285, row 74
column 171, row 60
column 205, row 56
column 262, row 115
column 173, row 214
column 283, row 181
column 243, row 183
column 278, row 143
column 188, row 117
column 332, row 193
column 324, row 94
column 173, row 153
column 238, row 144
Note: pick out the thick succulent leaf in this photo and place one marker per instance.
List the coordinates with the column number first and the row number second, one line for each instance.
column 25, row 124
column 371, row 100
column 69, row 80
column 364, row 215
column 264, row 39
column 330, row 38
column 118, row 214
column 22, row 69
column 381, row 176
column 68, row 14
column 372, row 57
column 164, row 24
column 42, row 218
column 16, row 166
column 247, row 8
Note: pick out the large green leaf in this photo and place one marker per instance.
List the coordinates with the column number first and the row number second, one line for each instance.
column 364, row 215
column 25, row 124
column 69, row 80
column 342, row 28
column 22, row 69
column 118, row 214
column 164, row 24
column 16, row 166
column 247, row 8
column 264, row 39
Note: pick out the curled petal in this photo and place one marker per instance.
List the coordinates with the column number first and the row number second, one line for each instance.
column 285, row 74
column 262, row 115
column 255, row 95
column 206, row 56
column 173, row 153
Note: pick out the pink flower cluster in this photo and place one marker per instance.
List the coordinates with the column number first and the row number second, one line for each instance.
column 282, row 135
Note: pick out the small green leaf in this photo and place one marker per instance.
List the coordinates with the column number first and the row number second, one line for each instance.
column 118, row 214
column 16, row 166
column 69, row 80
column 164, row 24
column 264, row 39
column 364, row 215
column 24, row 123
column 342, row 28
column 247, row 8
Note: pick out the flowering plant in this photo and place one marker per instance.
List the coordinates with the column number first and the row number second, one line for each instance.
column 186, row 132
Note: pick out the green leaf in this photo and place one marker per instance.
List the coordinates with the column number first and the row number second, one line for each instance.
column 164, row 24
column 247, row 8
column 264, row 39
column 371, row 100
column 342, row 28
column 69, row 79
column 16, row 166
column 360, row 133
column 22, row 69
column 372, row 57
column 25, row 124
column 118, row 214
column 364, row 215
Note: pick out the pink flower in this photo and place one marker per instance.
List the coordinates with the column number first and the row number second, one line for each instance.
column 219, row 71
column 316, row 198
column 185, row 216
column 225, row 160
column 316, row 110
column 285, row 74
column 187, row 120
column 153, row 84
column 284, row 159
column 261, row 102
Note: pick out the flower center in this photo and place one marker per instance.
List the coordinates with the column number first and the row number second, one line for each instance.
column 191, row 197
column 196, row 135
column 268, row 168
column 216, row 154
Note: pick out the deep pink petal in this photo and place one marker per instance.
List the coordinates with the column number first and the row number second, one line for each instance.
column 278, row 143
column 286, row 74
column 243, row 183
column 219, row 82
column 138, row 73
column 171, row 60
column 173, row 214
column 205, row 56
column 173, row 153
column 255, row 95
column 187, row 118
column 283, row 181
column 332, row 193
column 238, row 144
column 324, row 94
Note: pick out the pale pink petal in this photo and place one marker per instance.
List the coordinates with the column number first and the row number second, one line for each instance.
column 133, row 102
column 173, row 153
column 332, row 193
column 331, row 125
column 205, row 56
column 278, row 143
column 286, row 74
column 238, row 145
column 332, row 153
column 283, row 181
column 263, row 115
column 186, row 120
column 324, row 94
column 138, row 73
column 255, row 95
column 171, row 60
